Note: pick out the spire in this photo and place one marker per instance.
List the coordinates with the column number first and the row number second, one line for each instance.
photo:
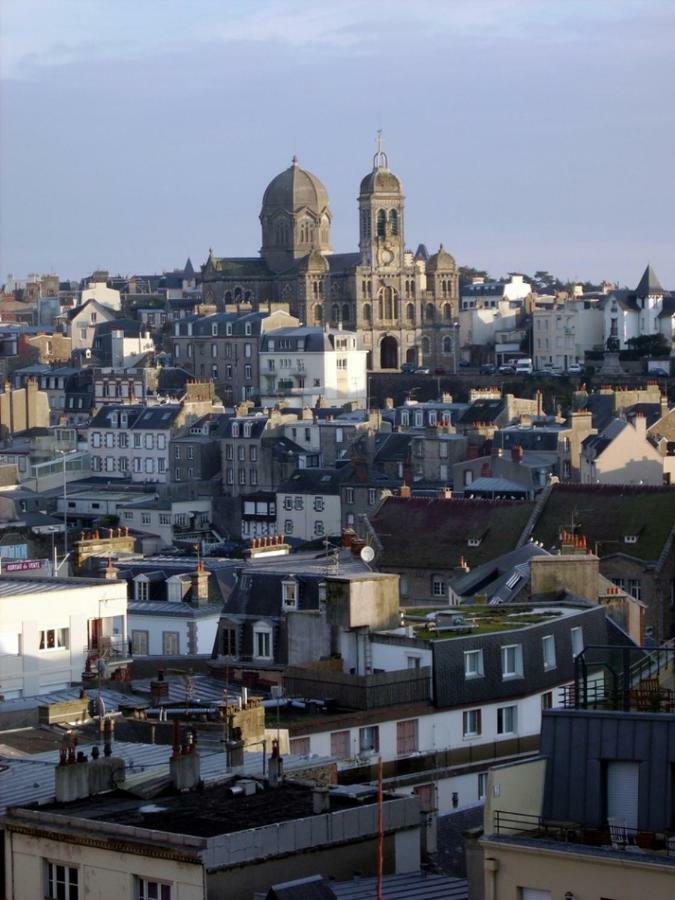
column 294, row 161
column 380, row 160
column 649, row 284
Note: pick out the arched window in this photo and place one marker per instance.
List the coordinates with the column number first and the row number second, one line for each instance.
column 447, row 312
column 393, row 221
column 386, row 303
column 430, row 312
column 367, row 313
column 447, row 345
column 228, row 296
column 318, row 314
column 335, row 312
column 346, row 316
column 381, row 222
column 237, row 293
column 410, row 312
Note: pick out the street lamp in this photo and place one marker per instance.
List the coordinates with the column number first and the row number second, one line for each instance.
column 65, row 505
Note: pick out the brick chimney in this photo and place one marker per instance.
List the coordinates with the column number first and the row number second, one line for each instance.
column 517, row 453
column 404, row 491
column 110, row 572
column 184, row 764
column 200, row 585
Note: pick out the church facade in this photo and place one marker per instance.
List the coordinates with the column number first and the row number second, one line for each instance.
column 404, row 305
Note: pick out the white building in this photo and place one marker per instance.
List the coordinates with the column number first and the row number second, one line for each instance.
column 49, row 627
column 649, row 309
column 126, row 351
column 564, row 332
column 300, row 365
column 169, row 520
column 98, row 290
column 488, row 309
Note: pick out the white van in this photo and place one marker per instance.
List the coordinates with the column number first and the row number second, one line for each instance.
column 524, row 366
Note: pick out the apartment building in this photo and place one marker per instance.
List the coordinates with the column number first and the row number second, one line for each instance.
column 563, row 333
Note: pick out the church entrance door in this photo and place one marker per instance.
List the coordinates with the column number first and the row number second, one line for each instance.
column 389, row 353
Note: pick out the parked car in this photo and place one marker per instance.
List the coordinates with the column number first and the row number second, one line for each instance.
column 488, row 369
column 575, row 369
column 464, row 364
column 507, row 369
column 524, row 366
column 408, row 368
column 422, row 370
column 660, row 373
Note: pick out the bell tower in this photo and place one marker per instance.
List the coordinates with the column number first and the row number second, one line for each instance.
column 381, row 215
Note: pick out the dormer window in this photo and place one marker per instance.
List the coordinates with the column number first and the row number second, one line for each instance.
column 141, row 589
column 247, row 328
column 270, row 344
column 228, row 328
column 214, row 330
column 631, row 538
column 124, row 420
column 289, row 594
column 247, row 429
column 474, row 541
column 235, row 429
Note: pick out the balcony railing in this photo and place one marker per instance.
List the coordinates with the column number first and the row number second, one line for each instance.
column 630, row 679
column 108, row 648
column 612, row 835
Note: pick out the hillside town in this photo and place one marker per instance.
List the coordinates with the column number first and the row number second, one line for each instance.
column 314, row 559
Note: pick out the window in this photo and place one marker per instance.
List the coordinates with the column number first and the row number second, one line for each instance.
column 248, row 372
column 299, row 746
column 298, row 503
column 577, row 638
column 141, row 591
column 634, row 588
column 547, row 700
column 372, row 496
column 413, row 662
column 482, row 785
column 369, row 739
column 407, row 736
column 349, row 495
column 548, row 650
column 512, row 661
column 471, row 722
column 54, row 639
column 288, row 503
column 61, row 882
column 170, row 643
column 318, row 527
column 507, row 719
column 145, row 518
column 318, row 504
column 473, row 664
column 262, row 641
column 340, row 744
column 139, row 643
column 289, row 594
column 229, row 641
column 151, row 890
column 438, row 586
column 288, row 526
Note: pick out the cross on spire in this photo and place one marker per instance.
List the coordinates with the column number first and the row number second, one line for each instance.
column 380, row 160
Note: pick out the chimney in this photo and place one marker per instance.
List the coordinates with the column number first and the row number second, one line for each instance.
column 640, row 424
column 200, row 585
column 320, row 800
column 159, row 689
column 71, row 776
column 517, row 453
column 348, row 535
column 388, row 402
column 540, row 403
column 184, row 763
column 405, row 491
column 110, row 572
column 276, row 766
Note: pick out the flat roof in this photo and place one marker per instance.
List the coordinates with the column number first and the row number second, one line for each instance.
column 26, row 584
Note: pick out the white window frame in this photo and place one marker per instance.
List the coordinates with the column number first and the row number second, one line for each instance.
column 548, row 652
column 262, row 631
column 150, row 889
column 472, row 725
column 577, row 640
column 504, row 726
column 52, row 883
column 59, row 640
column 510, row 671
column 470, row 670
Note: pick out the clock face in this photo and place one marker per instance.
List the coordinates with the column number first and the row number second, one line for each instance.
column 386, row 257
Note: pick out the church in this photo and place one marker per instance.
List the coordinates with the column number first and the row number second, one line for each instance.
column 404, row 305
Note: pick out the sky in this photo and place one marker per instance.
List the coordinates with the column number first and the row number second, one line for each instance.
column 528, row 134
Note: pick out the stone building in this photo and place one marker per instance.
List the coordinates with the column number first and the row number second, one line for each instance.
column 404, row 304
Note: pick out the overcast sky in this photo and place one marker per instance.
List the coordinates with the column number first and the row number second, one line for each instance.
column 529, row 134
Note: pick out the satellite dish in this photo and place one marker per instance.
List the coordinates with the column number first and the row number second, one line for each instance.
column 367, row 554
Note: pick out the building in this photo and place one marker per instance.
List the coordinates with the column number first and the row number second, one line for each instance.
column 22, row 408
column 490, row 312
column 172, row 521
column 403, row 304
column 593, row 815
column 304, row 365
column 565, row 332
column 225, row 348
column 623, row 453
column 50, row 629
column 308, row 504
column 648, row 310
column 81, row 321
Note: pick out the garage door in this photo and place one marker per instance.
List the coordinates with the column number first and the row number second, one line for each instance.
column 534, row 894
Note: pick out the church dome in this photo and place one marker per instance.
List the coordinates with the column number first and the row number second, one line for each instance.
column 295, row 189
column 441, row 261
column 381, row 181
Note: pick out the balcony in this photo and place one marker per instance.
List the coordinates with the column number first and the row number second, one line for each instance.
column 644, row 846
column 107, row 648
column 627, row 679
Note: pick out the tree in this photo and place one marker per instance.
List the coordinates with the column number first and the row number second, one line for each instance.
column 650, row 345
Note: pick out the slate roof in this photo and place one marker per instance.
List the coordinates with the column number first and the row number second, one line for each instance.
column 138, row 417
column 417, row 533
column 237, row 267
column 393, row 447
column 491, row 577
column 538, row 439
column 340, row 262
column 316, row 340
column 483, row 410
column 595, row 444
column 489, row 485
column 649, row 284
column 314, row 481
column 606, row 513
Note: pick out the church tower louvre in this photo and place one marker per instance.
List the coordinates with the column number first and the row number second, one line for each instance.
column 381, row 241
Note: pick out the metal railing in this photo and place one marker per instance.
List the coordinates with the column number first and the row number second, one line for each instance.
column 108, row 648
column 612, row 835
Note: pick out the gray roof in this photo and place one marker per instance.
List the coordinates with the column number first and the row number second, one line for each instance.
column 649, row 284
column 314, row 481
column 496, row 486
column 158, row 417
column 316, row 340
column 411, row 886
column 11, row 585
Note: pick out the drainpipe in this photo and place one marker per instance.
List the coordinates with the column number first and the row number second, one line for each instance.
column 491, row 869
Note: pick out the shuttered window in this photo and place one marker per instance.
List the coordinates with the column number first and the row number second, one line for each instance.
column 299, row 746
column 407, row 736
column 340, row 744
